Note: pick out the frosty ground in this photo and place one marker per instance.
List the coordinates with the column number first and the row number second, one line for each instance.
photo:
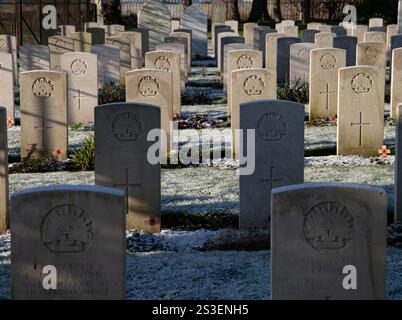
column 200, row 254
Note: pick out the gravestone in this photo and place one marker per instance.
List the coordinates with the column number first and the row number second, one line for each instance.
column 136, row 48
column 373, row 36
column 184, row 42
column 180, row 49
column 7, row 86
column 218, row 11
column 66, row 30
column 8, row 44
column 179, row 35
column 44, row 128
column 248, row 85
column 324, row 28
column 324, row 40
column 376, row 22
column 372, row 54
column 91, row 24
column 271, row 50
column 121, row 138
column 108, row 64
column 332, row 226
column 359, row 31
column 398, row 165
column 153, row 87
column 82, row 41
column 290, row 31
column 81, row 69
column 79, row 231
column 396, row 79
column 34, row 57
column 260, row 33
column 224, row 41
column 168, row 61
column 217, row 30
column 283, row 58
column 349, row 44
column 97, row 34
column 313, row 25
column 360, row 120
column 155, row 16
column 144, row 40
column 233, row 24
column 3, row 171
column 395, row 42
column 126, row 52
column 392, row 30
column 300, row 63
column 339, row 31
column 237, row 59
column 279, row 156
column 113, row 30
column 59, row 45
column 175, row 24
column 309, row 35
column 195, row 19
column 324, row 66
column 248, row 33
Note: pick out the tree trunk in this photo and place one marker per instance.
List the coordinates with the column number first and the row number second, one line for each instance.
column 305, row 11
column 111, row 11
column 186, row 3
column 233, row 10
column 274, row 10
column 259, row 11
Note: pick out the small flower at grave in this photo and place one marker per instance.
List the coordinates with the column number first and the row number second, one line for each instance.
column 333, row 118
column 58, row 153
column 10, row 122
column 152, row 221
column 384, row 152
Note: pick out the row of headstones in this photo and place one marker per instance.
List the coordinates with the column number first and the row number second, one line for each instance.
column 332, row 225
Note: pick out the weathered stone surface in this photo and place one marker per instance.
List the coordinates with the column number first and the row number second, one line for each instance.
column 324, row 40
column 34, row 57
column 8, row 44
column 59, row 45
column 81, row 69
column 44, row 129
column 324, row 67
column 374, row 36
column 396, row 79
column 372, row 54
column 76, row 231
column 167, row 61
column 195, row 19
column 98, row 35
column 300, row 63
column 248, row 85
column 349, row 44
column 121, row 160
column 309, row 35
column 283, row 58
column 108, row 64
column 279, row 156
column 360, row 121
column 155, row 16
column 82, row 41
column 7, row 86
column 218, row 11
column 327, row 227
column 248, row 32
column 153, row 87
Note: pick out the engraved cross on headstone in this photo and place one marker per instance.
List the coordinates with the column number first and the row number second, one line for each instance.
column 327, row 93
column 79, row 96
column 44, row 134
column 126, row 187
column 360, row 124
column 271, row 180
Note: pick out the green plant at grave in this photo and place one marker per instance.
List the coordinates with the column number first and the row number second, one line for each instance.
column 37, row 166
column 110, row 93
column 81, row 126
column 83, row 158
column 297, row 93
